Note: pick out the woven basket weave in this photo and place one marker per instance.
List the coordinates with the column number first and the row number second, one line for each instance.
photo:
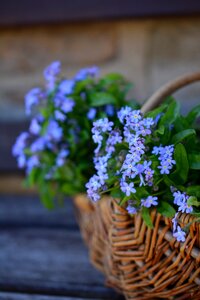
column 140, row 262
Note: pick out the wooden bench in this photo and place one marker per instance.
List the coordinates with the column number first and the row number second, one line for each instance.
column 42, row 255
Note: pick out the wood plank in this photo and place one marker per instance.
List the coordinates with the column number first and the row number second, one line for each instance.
column 19, row 296
column 48, row 261
column 42, row 252
column 28, row 211
column 13, row 183
column 43, row 11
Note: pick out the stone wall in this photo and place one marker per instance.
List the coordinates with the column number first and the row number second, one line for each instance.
column 148, row 51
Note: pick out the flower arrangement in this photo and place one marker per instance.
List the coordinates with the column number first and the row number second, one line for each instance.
column 57, row 149
column 149, row 161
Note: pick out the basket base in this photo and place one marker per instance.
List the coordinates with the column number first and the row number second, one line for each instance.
column 140, row 262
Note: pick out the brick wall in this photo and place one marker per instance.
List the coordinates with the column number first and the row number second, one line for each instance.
column 149, row 52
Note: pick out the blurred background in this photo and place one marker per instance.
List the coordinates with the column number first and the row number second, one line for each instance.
column 150, row 42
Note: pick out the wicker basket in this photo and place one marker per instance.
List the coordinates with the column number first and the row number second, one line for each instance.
column 140, row 262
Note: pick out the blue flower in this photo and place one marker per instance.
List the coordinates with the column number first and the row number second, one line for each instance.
column 149, row 175
column 93, row 186
column 137, row 147
column 51, row 72
column 165, row 157
column 144, row 131
column 157, row 150
column 170, row 161
column 129, row 169
column 67, row 105
column 97, row 138
column 100, row 164
column 91, row 113
column 164, row 167
column 54, row 131
column 127, row 188
column 64, row 103
column 132, row 118
column 123, row 112
column 59, row 116
column 179, row 197
column 179, row 234
column 130, row 208
column 87, row 72
column 60, row 160
column 175, row 222
column 32, row 162
column 66, row 87
column 148, row 122
column 94, row 196
column 133, row 157
column 21, row 161
column 59, row 99
column 102, row 177
column 38, row 145
column 93, row 183
column 115, row 137
column 34, row 127
column 110, row 110
column 20, row 144
column 149, row 201
column 102, row 125
column 167, row 151
column 32, row 99
column 185, row 208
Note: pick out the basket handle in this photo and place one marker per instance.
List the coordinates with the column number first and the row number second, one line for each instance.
column 168, row 89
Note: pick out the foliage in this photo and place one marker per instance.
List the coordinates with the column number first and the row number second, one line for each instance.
column 149, row 161
column 57, row 149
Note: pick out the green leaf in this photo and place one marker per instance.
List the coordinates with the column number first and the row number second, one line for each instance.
column 159, row 110
column 116, row 193
column 168, row 181
column 181, row 124
column 192, row 200
column 111, row 77
column 68, row 189
column 124, row 200
column 146, row 217
column 83, row 85
column 101, row 98
column 166, row 209
column 166, row 137
column 180, row 136
column 171, row 114
column 160, row 130
column 182, row 166
column 32, row 177
column 47, row 194
column 194, row 161
column 194, row 190
column 66, row 172
column 193, row 114
column 141, row 192
column 47, row 200
column 132, row 103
